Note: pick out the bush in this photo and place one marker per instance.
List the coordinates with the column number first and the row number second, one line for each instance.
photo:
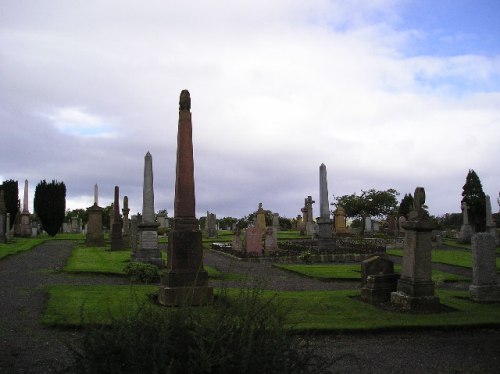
column 243, row 334
column 142, row 272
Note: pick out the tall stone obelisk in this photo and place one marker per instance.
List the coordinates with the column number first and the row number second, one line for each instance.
column 25, row 214
column 116, row 228
column 324, row 220
column 94, row 236
column 3, row 219
column 147, row 231
column 185, row 281
column 126, row 229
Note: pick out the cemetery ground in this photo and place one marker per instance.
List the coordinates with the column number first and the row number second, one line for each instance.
column 50, row 288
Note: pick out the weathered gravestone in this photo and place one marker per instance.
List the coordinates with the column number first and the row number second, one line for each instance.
column 75, row 225
column 270, row 240
column 378, row 279
column 94, row 236
column 466, row 231
column 211, row 223
column 368, row 225
column 307, row 210
column 185, row 280
column 484, row 286
column 253, row 240
column 324, row 220
column 236, row 241
column 261, row 218
column 415, row 289
column 340, row 221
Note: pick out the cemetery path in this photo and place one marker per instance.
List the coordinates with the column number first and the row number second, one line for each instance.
column 25, row 345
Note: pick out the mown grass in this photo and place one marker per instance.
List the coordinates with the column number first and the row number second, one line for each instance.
column 353, row 272
column 18, row 245
column 97, row 260
column 307, row 310
column 447, row 257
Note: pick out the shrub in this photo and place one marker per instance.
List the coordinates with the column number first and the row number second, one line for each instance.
column 142, row 272
column 306, row 257
column 243, row 334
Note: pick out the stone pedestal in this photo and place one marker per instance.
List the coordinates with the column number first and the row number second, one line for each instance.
column 147, row 249
column 415, row 290
column 465, row 234
column 484, row 286
column 325, row 228
column 25, row 225
column 94, row 236
column 379, row 287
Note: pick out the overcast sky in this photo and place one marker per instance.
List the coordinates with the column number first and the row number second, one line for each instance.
column 386, row 93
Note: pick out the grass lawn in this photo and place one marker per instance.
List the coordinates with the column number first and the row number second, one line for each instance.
column 455, row 258
column 97, row 260
column 353, row 272
column 18, row 245
column 308, row 310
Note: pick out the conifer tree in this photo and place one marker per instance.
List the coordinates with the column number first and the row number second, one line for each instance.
column 475, row 198
column 406, row 205
column 50, row 205
column 11, row 196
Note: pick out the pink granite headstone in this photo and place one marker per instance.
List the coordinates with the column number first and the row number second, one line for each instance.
column 253, row 240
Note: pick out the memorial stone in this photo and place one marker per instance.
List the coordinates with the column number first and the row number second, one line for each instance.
column 116, row 228
column 261, row 218
column 340, row 221
column 484, row 286
column 324, row 220
column 75, row 225
column 276, row 221
column 466, row 231
column 270, row 240
column 94, row 236
column 211, row 223
column 236, row 241
column 253, row 240
column 310, row 225
column 378, row 279
column 185, row 280
column 126, row 228
column 368, row 224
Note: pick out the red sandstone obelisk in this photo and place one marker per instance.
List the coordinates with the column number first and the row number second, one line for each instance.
column 185, row 281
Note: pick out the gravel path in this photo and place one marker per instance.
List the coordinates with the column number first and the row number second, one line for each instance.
column 28, row 347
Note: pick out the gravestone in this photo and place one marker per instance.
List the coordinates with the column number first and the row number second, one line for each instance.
column 25, row 228
column 253, row 240
column 466, row 231
column 147, row 231
column 401, row 223
column 133, row 235
column 270, row 240
column 211, row 223
column 75, row 225
column 261, row 218
column 185, row 280
column 276, row 221
column 484, row 286
column 392, row 225
column 309, row 224
column 162, row 219
column 415, row 289
column 300, row 223
column 94, row 236
column 378, row 279
column 340, row 221
column 368, row 224
column 3, row 219
column 126, row 227
column 236, row 241
column 116, row 228
column 324, row 220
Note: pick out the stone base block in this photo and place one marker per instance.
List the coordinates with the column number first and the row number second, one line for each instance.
column 427, row 304
column 181, row 296
column 485, row 294
column 416, row 288
column 378, row 288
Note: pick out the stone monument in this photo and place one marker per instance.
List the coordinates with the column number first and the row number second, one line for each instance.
column 490, row 224
column 466, row 231
column 261, row 218
column 126, row 229
column 185, row 280
column 147, row 231
column 415, row 289
column 307, row 210
column 368, row 224
column 95, row 235
column 276, row 221
column 270, row 240
column 340, row 221
column 236, row 241
column 211, row 222
column 3, row 219
column 484, row 286
column 378, row 279
column 133, row 235
column 116, row 228
column 75, row 225
column 253, row 241
column 25, row 214
column 324, row 221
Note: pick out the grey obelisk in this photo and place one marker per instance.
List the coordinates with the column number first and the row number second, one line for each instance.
column 324, row 221
column 25, row 215
column 3, row 219
column 147, row 230
column 116, row 228
column 185, row 280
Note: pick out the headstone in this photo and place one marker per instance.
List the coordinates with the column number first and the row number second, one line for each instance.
column 466, row 231
column 236, row 241
column 378, row 279
column 75, row 225
column 133, row 235
column 147, row 231
column 368, row 224
column 25, row 215
column 253, row 240
column 310, row 225
column 276, row 221
column 116, row 228
column 324, row 220
column 392, row 225
column 211, row 223
column 162, row 219
column 401, row 223
column 261, row 218
column 270, row 240
column 300, row 223
column 340, row 221
column 94, row 236
column 484, row 286
column 185, row 280
column 126, row 228
column 3, row 219
column 415, row 289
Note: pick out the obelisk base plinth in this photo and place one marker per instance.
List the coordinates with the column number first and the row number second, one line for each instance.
column 116, row 237
column 25, row 225
column 94, row 236
column 148, row 250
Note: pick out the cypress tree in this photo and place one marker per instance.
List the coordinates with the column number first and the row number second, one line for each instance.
column 50, row 205
column 11, row 195
column 475, row 198
column 406, row 205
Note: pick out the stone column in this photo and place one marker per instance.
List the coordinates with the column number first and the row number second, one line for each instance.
column 415, row 289
column 484, row 286
column 133, row 235
column 324, row 221
column 25, row 215
column 185, row 280
column 94, row 236
column 126, row 230
column 147, row 231
column 3, row 219
column 116, row 228
column 96, row 195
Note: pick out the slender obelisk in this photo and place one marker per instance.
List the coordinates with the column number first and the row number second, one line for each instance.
column 3, row 219
column 185, row 281
column 324, row 221
column 25, row 215
column 147, row 231
column 116, row 228
column 94, row 236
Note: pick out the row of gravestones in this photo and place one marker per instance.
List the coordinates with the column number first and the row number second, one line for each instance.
column 414, row 288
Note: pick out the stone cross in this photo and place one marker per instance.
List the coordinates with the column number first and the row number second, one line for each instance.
column 148, row 198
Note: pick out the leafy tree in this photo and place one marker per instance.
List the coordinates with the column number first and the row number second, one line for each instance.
column 80, row 213
column 406, row 205
column 371, row 203
column 11, row 196
column 227, row 222
column 450, row 221
column 475, row 199
column 50, row 205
